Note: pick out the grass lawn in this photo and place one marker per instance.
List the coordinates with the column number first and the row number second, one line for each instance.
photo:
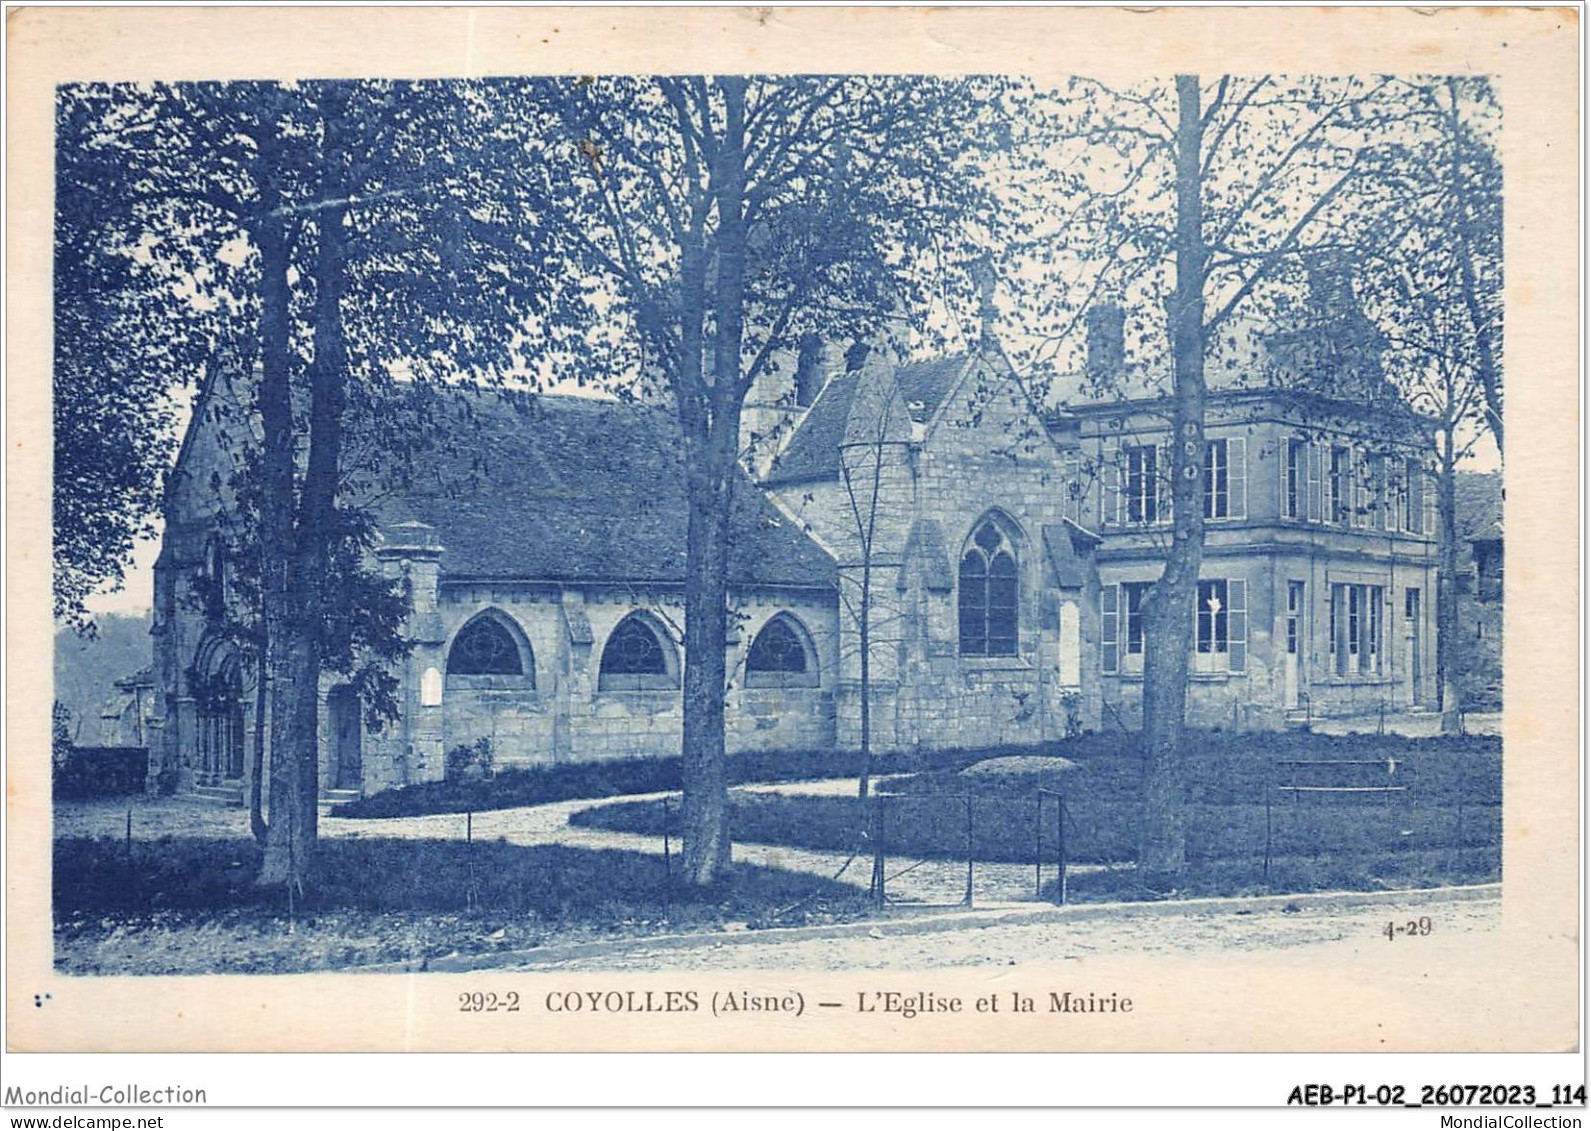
column 1446, row 827
column 188, row 905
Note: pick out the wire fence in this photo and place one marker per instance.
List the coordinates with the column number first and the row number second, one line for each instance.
column 1284, row 823
column 959, row 827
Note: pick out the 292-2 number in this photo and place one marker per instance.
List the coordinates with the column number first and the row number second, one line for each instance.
column 481, row 1002
column 1413, row 928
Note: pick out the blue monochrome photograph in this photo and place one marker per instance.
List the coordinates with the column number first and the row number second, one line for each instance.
column 774, row 522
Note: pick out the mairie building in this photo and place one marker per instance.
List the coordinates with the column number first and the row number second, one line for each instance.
column 993, row 551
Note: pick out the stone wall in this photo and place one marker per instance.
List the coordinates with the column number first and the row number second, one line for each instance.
column 567, row 716
column 985, row 453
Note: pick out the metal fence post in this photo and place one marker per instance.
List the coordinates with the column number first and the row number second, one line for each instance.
column 668, row 863
column 471, row 896
column 1270, row 788
column 878, row 850
column 132, row 876
column 968, row 898
column 1060, row 848
column 1038, row 844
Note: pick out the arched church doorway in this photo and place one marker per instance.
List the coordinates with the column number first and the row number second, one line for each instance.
column 221, row 720
column 347, row 738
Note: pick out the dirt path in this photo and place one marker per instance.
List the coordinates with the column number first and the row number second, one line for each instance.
column 1457, row 922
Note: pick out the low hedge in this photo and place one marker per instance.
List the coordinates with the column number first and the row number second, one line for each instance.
column 1453, row 802
column 1223, row 767
column 100, row 771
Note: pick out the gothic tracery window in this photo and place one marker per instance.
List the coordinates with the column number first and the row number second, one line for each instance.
column 779, row 656
column 484, row 647
column 635, row 657
column 988, row 598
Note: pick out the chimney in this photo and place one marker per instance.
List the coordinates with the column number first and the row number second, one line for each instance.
column 1330, row 289
column 983, row 278
column 1106, row 348
column 809, row 370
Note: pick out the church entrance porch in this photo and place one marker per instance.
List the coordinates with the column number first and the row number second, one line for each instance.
column 347, row 739
column 221, row 725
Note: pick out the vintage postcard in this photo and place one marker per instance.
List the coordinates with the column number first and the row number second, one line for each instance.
column 845, row 529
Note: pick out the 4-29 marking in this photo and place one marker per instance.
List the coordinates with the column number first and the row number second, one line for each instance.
column 1413, row 928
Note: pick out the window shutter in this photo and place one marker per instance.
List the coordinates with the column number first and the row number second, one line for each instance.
column 1108, row 639
column 1312, row 455
column 1389, row 495
column 1358, row 492
column 1339, row 607
column 1236, row 626
column 1163, row 482
column 1283, row 451
column 1326, row 508
column 1237, row 477
column 1110, row 501
column 1427, row 506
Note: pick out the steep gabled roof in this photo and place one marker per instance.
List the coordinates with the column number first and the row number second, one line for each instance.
column 562, row 488
column 813, row 451
column 926, row 384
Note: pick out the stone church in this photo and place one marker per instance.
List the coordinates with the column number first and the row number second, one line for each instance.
column 994, row 552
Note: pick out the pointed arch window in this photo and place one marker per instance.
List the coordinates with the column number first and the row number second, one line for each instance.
column 782, row 656
column 488, row 647
column 484, row 647
column 988, row 593
column 215, row 579
column 637, row 657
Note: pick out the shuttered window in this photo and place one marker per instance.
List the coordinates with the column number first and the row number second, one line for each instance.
column 1225, row 478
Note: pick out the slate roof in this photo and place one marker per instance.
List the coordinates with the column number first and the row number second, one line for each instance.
column 562, row 488
column 925, row 384
column 813, row 451
column 1248, row 354
column 143, row 677
column 1478, row 501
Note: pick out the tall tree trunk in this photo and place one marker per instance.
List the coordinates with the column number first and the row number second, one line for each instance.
column 297, row 716
column 865, row 634
column 868, row 533
column 1447, row 585
column 1170, row 616
column 704, row 813
column 710, row 481
column 278, row 489
column 262, row 685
